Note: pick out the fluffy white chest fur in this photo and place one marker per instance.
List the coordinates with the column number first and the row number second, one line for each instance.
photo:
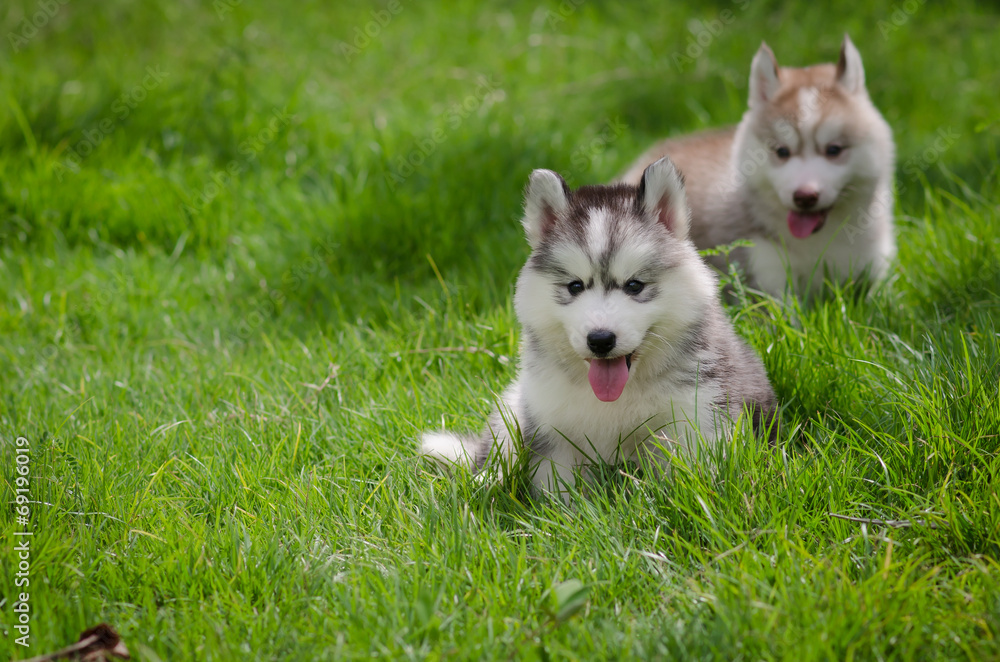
column 614, row 431
column 860, row 241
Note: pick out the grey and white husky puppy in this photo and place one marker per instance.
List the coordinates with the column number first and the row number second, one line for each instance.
column 806, row 176
column 625, row 346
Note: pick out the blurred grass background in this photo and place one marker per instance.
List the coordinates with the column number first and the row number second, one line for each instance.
column 561, row 73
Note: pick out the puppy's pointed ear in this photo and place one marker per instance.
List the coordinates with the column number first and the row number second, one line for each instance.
column 764, row 81
column 661, row 196
column 850, row 70
column 546, row 197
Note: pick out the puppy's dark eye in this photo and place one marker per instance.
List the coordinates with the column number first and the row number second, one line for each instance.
column 634, row 286
column 783, row 152
column 576, row 287
column 834, row 150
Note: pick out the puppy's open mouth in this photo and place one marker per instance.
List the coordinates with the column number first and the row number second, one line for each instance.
column 804, row 224
column 609, row 376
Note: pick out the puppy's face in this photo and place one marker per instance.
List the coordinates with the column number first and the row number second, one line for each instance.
column 825, row 141
column 609, row 282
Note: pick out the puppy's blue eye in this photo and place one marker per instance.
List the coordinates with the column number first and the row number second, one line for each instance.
column 834, row 150
column 576, row 287
column 634, row 286
column 783, row 152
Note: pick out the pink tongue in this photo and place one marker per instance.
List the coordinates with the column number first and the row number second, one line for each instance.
column 608, row 377
column 803, row 224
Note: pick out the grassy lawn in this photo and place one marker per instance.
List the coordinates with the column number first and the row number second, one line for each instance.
column 248, row 251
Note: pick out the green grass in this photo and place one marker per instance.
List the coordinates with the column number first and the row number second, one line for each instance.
column 222, row 387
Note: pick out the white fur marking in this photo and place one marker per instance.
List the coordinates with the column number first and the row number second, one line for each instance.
column 598, row 232
column 446, row 448
column 809, row 101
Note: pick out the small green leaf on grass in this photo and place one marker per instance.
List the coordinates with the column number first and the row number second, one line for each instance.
column 570, row 597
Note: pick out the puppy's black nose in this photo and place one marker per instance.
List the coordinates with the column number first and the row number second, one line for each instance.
column 601, row 341
column 805, row 198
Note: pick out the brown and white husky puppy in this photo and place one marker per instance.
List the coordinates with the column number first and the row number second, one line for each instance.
column 806, row 176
